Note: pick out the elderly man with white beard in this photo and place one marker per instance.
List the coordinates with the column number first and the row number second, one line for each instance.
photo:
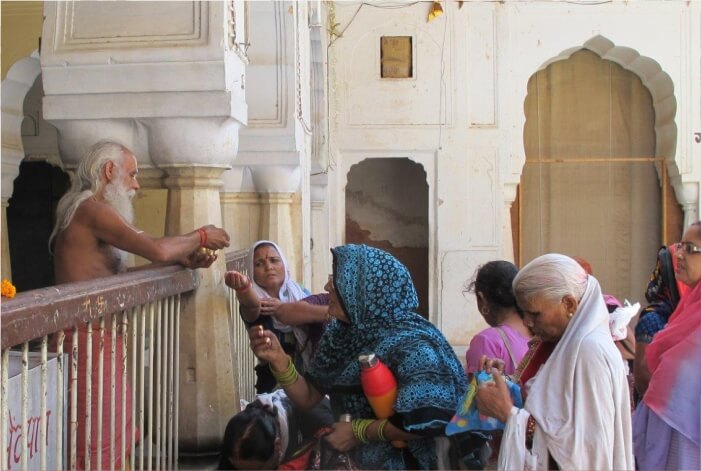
column 94, row 229
column 92, row 235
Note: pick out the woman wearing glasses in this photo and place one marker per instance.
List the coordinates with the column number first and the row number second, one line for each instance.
column 663, row 294
column 666, row 424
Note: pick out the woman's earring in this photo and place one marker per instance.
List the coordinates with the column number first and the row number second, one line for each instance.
column 570, row 314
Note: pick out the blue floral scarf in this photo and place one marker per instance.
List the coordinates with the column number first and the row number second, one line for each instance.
column 378, row 296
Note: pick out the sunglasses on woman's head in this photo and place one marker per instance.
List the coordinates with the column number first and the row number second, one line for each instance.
column 687, row 247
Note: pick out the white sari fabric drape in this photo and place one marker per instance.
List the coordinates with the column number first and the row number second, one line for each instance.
column 579, row 399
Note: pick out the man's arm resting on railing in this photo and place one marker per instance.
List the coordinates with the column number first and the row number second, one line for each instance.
column 108, row 226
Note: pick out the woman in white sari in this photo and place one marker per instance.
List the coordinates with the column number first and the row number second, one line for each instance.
column 576, row 413
column 275, row 301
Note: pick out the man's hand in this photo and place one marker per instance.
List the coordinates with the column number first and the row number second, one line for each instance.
column 200, row 258
column 217, row 238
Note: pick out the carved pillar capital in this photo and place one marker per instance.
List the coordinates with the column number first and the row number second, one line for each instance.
column 276, row 178
column 201, row 141
column 11, row 159
column 186, row 176
column 688, row 197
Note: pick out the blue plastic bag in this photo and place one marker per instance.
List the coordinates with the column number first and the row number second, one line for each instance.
column 467, row 417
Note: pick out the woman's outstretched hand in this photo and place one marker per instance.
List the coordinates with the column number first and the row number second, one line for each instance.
column 236, row 280
column 266, row 347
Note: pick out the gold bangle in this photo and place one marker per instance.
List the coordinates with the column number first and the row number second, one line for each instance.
column 381, row 430
column 287, row 377
column 360, row 427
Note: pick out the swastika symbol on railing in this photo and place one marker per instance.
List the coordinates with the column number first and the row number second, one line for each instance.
column 101, row 304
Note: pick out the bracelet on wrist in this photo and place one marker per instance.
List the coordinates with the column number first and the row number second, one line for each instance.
column 245, row 288
column 381, row 430
column 360, row 428
column 287, row 377
column 203, row 236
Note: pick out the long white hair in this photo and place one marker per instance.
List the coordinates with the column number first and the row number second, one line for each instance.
column 86, row 181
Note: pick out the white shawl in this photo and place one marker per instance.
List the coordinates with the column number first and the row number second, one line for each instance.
column 579, row 399
column 279, row 400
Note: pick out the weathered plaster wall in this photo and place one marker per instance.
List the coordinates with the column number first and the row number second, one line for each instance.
column 462, row 113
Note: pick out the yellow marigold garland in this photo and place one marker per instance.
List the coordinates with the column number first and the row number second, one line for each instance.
column 8, row 289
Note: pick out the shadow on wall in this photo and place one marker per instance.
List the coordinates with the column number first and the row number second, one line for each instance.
column 30, row 220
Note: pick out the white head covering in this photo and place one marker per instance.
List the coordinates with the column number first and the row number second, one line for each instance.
column 579, row 398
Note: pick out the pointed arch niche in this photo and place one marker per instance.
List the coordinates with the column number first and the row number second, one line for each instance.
column 33, row 179
column 380, row 212
column 599, row 139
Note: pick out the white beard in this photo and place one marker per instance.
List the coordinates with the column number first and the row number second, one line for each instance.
column 119, row 197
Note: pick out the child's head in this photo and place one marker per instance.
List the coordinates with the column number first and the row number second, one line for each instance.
column 252, row 439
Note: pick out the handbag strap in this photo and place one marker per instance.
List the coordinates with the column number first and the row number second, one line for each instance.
column 508, row 345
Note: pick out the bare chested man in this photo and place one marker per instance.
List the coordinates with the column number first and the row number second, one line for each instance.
column 94, row 229
column 92, row 236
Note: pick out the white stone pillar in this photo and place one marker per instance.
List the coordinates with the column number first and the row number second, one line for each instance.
column 321, row 256
column 208, row 390
column 509, row 192
column 241, row 212
column 6, row 266
column 276, row 225
column 688, row 197
column 11, row 159
column 277, row 186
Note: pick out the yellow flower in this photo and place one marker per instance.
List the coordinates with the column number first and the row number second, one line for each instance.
column 8, row 289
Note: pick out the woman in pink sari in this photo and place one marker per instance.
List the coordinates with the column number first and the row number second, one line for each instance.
column 666, row 424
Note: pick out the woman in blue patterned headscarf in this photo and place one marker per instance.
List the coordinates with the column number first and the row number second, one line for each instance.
column 372, row 299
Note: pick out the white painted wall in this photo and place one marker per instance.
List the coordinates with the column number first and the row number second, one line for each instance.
column 461, row 115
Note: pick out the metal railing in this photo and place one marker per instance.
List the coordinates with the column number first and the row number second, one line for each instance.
column 90, row 373
column 242, row 355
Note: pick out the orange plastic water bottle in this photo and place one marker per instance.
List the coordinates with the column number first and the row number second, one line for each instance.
column 380, row 388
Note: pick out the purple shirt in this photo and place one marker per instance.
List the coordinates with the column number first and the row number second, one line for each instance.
column 321, row 299
column 489, row 342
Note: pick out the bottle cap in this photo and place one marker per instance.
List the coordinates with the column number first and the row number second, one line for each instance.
column 367, row 361
column 345, row 418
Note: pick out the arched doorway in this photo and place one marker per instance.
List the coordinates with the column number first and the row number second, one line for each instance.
column 387, row 208
column 40, row 180
column 590, row 186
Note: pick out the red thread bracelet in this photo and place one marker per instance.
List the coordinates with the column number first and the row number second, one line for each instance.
column 245, row 288
column 203, row 237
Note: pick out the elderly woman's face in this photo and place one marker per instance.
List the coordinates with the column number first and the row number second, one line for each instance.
column 546, row 318
column 688, row 269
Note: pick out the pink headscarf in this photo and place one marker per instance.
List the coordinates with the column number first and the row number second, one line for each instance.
column 674, row 360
